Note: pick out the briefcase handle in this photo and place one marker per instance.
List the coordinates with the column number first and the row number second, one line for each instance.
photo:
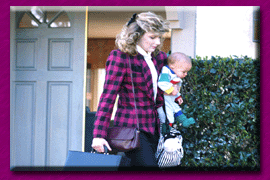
column 106, row 151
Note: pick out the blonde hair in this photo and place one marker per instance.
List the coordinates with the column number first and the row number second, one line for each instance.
column 177, row 56
column 131, row 33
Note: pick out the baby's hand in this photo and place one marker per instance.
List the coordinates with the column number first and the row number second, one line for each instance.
column 179, row 100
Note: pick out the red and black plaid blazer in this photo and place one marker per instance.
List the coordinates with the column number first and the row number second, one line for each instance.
column 118, row 81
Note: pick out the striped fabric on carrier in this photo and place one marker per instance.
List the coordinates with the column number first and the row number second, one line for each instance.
column 169, row 159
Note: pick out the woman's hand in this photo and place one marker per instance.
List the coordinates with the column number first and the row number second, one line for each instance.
column 175, row 90
column 99, row 143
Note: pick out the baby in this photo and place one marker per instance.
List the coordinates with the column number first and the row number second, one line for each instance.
column 170, row 81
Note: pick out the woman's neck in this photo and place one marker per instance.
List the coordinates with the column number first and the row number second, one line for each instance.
column 142, row 51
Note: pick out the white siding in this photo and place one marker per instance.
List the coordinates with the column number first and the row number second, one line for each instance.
column 225, row 31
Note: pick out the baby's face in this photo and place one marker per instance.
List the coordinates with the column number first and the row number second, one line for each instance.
column 181, row 69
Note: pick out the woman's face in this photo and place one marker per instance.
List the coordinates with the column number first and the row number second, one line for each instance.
column 149, row 41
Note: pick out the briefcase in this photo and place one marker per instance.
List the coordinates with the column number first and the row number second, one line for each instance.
column 92, row 161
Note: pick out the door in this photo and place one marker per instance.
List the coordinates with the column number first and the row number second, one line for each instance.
column 47, row 99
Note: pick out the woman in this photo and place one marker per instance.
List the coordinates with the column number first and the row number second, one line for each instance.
column 140, row 41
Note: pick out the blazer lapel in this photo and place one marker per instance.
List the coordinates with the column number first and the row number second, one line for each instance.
column 155, row 63
column 148, row 77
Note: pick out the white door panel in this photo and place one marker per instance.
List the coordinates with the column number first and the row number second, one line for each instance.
column 48, row 93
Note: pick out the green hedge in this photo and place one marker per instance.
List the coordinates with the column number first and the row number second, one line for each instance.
column 222, row 94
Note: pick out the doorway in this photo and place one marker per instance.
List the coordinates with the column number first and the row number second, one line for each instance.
column 104, row 25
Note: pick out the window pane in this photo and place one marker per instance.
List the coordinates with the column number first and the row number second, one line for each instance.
column 61, row 21
column 38, row 13
column 50, row 15
column 27, row 22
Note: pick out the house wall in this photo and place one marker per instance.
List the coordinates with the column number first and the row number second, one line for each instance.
column 183, row 25
column 225, row 31
column 107, row 24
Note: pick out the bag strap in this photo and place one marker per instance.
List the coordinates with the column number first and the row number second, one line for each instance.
column 171, row 134
column 166, row 119
column 133, row 92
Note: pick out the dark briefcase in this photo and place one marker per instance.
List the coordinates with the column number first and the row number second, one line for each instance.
column 91, row 161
